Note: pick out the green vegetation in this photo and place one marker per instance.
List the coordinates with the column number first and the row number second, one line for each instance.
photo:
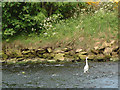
column 58, row 24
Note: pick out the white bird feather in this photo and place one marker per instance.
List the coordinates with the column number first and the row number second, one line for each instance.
column 86, row 68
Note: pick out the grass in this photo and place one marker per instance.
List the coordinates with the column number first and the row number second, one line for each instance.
column 81, row 32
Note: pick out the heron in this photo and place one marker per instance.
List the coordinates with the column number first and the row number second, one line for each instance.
column 86, row 68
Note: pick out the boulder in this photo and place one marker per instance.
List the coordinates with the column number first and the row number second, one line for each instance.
column 94, row 51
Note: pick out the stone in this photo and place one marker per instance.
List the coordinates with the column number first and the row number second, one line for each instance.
column 58, row 50
column 40, row 51
column 4, row 56
column 114, row 59
column 51, row 61
column 112, row 42
column 115, row 48
column 78, row 50
column 107, row 51
column 49, row 50
column 92, row 57
column 96, row 47
column 94, row 51
column 105, row 44
column 82, row 57
column 59, row 56
column 99, row 57
column 114, row 54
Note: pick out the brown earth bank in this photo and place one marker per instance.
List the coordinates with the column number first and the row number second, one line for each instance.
column 102, row 51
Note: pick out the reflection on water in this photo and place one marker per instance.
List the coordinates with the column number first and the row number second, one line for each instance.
column 101, row 75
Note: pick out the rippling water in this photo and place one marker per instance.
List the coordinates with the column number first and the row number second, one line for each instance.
column 70, row 75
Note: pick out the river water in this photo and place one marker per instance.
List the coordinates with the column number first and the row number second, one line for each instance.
column 68, row 75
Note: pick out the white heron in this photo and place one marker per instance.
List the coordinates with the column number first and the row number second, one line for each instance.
column 86, row 68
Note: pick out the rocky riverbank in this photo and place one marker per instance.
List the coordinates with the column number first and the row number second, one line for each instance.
column 101, row 52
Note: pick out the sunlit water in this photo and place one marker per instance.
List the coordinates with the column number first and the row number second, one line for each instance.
column 101, row 75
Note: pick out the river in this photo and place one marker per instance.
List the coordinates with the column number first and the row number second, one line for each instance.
column 68, row 75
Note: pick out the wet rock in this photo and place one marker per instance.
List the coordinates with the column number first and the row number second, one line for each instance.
column 59, row 56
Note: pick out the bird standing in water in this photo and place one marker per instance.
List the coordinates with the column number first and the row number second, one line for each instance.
column 86, row 68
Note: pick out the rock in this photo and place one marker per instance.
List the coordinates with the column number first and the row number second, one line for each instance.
column 78, row 50
column 114, row 54
column 92, row 57
column 99, row 57
column 4, row 56
column 66, row 49
column 94, row 51
column 25, row 52
column 40, row 51
column 51, row 61
column 107, row 51
column 105, row 44
column 69, row 59
column 82, row 57
column 96, row 47
column 49, row 50
column 48, row 56
column 82, row 53
column 58, row 50
column 112, row 42
column 114, row 59
column 115, row 48
column 59, row 56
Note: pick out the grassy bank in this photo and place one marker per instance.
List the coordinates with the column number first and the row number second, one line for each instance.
column 84, row 31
